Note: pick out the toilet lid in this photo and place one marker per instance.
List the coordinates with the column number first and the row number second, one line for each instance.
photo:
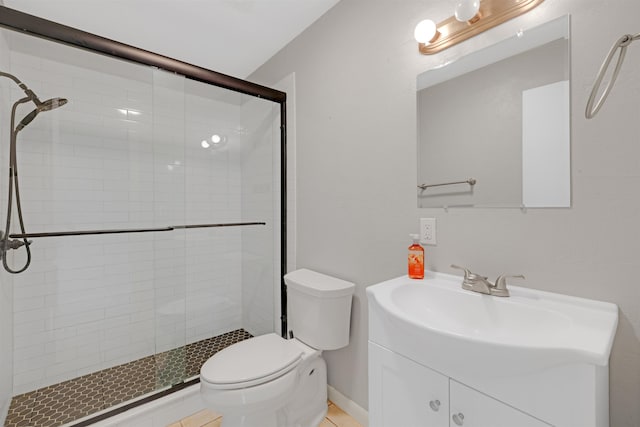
column 251, row 362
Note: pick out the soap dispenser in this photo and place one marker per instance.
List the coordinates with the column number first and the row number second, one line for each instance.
column 416, row 258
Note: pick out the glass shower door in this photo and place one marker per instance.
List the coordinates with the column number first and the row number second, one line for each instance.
column 121, row 315
column 168, row 199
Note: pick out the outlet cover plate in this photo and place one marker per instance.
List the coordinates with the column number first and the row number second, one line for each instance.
column 428, row 231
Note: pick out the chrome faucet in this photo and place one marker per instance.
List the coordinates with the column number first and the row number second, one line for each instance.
column 477, row 283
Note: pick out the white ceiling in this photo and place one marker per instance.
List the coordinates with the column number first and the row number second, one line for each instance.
column 233, row 37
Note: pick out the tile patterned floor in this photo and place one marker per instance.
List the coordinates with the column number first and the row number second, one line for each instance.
column 77, row 398
column 336, row 417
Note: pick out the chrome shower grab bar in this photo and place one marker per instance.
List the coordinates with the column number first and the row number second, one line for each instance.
column 470, row 181
column 622, row 43
column 128, row 230
column 226, row 224
column 87, row 232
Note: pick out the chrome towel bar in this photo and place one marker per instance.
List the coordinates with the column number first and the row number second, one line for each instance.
column 470, row 181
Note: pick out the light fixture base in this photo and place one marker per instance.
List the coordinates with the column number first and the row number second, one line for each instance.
column 492, row 13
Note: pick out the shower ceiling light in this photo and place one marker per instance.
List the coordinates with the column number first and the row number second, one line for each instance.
column 218, row 141
column 472, row 17
column 174, row 165
column 127, row 112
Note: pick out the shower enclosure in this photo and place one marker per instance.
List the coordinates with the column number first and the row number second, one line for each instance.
column 154, row 206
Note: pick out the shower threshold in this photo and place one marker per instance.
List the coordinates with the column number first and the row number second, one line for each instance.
column 79, row 398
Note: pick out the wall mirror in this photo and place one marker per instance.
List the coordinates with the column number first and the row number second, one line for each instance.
column 494, row 126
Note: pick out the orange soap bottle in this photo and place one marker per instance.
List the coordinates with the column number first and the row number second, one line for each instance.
column 416, row 258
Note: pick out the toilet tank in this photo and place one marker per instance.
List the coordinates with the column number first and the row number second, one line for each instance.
column 319, row 309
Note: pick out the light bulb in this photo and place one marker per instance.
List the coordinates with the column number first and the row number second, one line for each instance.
column 204, row 144
column 425, row 31
column 216, row 138
column 466, row 9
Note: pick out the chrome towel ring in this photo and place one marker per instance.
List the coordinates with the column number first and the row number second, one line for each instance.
column 622, row 44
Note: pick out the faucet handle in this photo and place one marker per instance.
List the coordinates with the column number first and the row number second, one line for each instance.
column 474, row 282
column 500, row 287
column 467, row 273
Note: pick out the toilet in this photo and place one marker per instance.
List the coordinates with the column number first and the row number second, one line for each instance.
column 270, row 381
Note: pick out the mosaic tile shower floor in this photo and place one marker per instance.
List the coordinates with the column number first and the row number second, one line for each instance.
column 71, row 400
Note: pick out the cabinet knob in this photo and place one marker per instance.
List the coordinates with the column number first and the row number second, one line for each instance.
column 458, row 418
column 435, row 405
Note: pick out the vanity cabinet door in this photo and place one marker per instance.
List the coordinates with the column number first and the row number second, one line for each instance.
column 405, row 393
column 470, row 408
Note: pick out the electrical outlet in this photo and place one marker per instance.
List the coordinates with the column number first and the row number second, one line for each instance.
column 428, row 231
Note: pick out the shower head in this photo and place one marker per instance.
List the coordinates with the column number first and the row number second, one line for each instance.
column 50, row 104
column 47, row 105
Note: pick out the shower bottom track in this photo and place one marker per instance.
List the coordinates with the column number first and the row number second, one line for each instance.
column 80, row 397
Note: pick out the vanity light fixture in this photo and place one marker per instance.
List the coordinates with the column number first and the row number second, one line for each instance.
column 471, row 17
column 467, row 11
column 426, row 32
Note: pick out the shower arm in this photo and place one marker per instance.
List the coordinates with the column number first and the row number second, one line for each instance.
column 12, row 77
column 622, row 43
column 30, row 95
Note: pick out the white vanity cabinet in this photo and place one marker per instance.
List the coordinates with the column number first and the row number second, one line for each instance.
column 470, row 408
column 405, row 393
column 522, row 361
column 408, row 394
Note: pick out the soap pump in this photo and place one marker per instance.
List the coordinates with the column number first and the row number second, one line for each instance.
column 416, row 258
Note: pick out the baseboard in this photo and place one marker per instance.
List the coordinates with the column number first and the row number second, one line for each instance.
column 5, row 409
column 349, row 406
column 186, row 402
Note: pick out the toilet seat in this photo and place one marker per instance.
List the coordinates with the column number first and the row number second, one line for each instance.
column 251, row 362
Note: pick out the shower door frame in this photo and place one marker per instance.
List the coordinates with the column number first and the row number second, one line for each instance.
column 15, row 20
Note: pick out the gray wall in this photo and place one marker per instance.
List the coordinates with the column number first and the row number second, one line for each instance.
column 356, row 161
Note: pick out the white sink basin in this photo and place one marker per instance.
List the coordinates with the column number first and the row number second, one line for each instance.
column 457, row 331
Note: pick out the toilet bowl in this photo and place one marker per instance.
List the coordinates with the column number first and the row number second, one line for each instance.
column 255, row 382
column 270, row 381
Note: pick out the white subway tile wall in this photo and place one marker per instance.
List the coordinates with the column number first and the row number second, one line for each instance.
column 6, row 281
column 126, row 152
